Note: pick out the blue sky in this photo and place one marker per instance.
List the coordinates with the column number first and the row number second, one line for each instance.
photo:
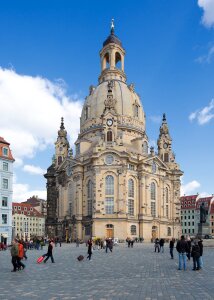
column 49, row 56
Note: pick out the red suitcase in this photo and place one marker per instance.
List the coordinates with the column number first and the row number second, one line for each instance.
column 40, row 259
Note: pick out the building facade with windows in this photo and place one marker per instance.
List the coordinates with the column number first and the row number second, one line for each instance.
column 27, row 221
column 188, row 217
column 6, row 191
column 211, row 214
column 114, row 186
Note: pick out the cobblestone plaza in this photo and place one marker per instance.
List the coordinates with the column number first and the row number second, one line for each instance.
column 126, row 273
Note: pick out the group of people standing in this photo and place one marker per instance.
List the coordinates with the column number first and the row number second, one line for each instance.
column 17, row 253
column 188, row 248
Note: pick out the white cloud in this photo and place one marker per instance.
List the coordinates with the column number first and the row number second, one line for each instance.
column 208, row 12
column 208, row 58
column 22, row 192
column 34, row 170
column 189, row 188
column 32, row 108
column 204, row 115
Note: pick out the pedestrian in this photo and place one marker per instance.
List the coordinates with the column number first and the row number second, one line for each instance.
column 49, row 253
column 14, row 254
column 110, row 245
column 107, row 245
column 200, row 243
column 196, row 256
column 90, row 243
column 77, row 242
column 189, row 243
column 157, row 245
column 171, row 247
column 162, row 245
column 182, row 248
column 132, row 243
column 20, row 256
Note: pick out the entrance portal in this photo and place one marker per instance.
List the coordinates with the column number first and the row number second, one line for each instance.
column 109, row 231
column 154, row 232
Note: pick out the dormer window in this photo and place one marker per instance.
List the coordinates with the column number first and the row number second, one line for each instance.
column 5, row 151
column 136, row 111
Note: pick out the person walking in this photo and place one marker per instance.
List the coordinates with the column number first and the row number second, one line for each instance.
column 20, row 256
column 200, row 244
column 196, row 256
column 162, row 245
column 171, row 247
column 90, row 244
column 14, row 254
column 182, row 248
column 49, row 253
column 189, row 243
column 157, row 245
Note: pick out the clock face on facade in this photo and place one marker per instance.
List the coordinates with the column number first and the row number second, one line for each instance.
column 109, row 122
column 109, row 159
column 165, row 145
column 69, row 170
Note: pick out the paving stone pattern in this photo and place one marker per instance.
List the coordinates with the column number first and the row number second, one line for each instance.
column 127, row 273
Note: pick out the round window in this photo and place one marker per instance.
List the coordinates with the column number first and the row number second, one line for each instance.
column 109, row 159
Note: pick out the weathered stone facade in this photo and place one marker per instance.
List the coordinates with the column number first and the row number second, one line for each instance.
column 114, row 186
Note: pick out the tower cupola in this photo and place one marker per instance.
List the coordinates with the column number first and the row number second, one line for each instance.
column 112, row 58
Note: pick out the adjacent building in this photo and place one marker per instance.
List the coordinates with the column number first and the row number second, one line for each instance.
column 188, row 220
column 27, row 221
column 211, row 214
column 39, row 204
column 114, row 186
column 6, row 191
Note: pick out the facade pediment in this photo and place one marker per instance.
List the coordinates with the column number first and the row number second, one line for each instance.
column 155, row 159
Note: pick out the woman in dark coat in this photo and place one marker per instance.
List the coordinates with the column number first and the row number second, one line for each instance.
column 89, row 249
column 196, row 256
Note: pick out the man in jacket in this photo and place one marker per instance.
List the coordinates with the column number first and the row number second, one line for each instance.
column 196, row 256
column 182, row 248
column 14, row 253
column 49, row 253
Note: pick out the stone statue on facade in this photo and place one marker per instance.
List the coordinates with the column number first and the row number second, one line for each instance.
column 203, row 213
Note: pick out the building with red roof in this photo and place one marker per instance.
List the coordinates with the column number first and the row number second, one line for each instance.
column 211, row 214
column 188, row 205
column 6, row 191
column 27, row 221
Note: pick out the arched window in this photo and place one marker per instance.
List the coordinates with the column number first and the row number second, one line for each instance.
column 145, row 147
column 90, row 197
column 70, row 200
column 166, row 157
column 106, row 61
column 167, row 195
column 131, row 197
column 153, row 199
column 109, row 136
column 131, row 188
column 109, row 193
column 133, row 230
column 136, row 111
column 86, row 113
column 169, row 231
column 59, row 160
column 118, row 60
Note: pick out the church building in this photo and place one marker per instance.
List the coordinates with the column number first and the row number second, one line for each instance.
column 114, row 185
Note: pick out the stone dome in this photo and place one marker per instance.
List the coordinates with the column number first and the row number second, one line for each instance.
column 112, row 38
column 126, row 102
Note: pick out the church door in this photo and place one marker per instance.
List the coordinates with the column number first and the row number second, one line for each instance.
column 109, row 231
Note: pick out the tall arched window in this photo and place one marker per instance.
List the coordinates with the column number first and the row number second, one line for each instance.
column 106, row 61
column 109, row 136
column 167, row 202
column 166, row 157
column 145, row 147
column 86, row 113
column 133, row 230
column 153, row 199
column 131, row 197
column 118, row 60
column 70, row 200
column 109, row 193
column 90, row 197
column 59, row 160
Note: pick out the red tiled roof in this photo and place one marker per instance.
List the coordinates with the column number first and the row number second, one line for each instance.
column 188, row 202
column 3, row 143
column 205, row 200
column 29, row 211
